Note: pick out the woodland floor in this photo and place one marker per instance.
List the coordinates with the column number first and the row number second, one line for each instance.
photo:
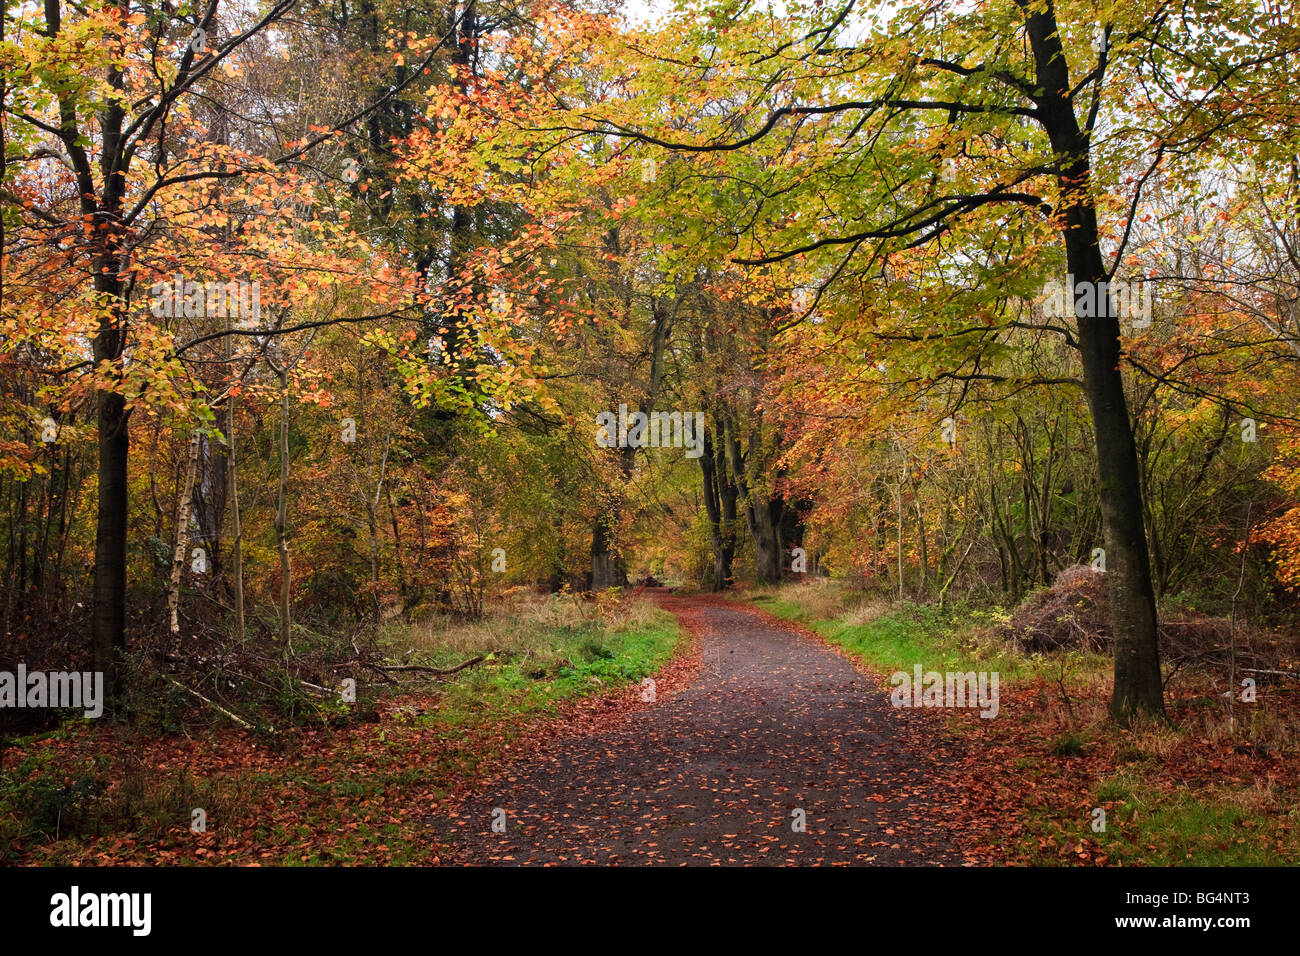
column 755, row 718
column 714, row 773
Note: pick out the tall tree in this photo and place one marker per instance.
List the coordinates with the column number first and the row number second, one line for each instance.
column 862, row 143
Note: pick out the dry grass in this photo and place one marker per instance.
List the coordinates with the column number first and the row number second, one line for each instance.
column 521, row 623
column 1157, row 739
column 822, row 599
column 865, row 611
column 1262, row 796
column 1257, row 725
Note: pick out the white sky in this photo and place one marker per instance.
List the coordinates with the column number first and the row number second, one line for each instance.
column 640, row 11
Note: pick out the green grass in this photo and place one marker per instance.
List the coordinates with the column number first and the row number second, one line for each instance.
column 1150, row 827
column 1231, row 825
column 62, row 802
column 509, row 695
column 900, row 637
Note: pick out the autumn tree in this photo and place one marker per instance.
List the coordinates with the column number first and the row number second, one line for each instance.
column 107, row 100
column 929, row 126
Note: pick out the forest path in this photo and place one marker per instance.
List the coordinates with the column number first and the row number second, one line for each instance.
column 775, row 722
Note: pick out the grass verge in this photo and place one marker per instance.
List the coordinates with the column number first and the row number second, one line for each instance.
column 366, row 793
column 1208, row 787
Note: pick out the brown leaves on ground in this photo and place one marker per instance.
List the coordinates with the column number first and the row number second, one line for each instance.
column 366, row 793
column 756, row 724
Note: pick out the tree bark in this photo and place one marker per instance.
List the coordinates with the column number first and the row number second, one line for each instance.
column 183, row 509
column 1138, row 683
column 108, row 620
column 282, row 513
column 606, row 571
column 720, row 505
column 607, row 567
column 763, row 515
column 236, row 522
column 762, row 512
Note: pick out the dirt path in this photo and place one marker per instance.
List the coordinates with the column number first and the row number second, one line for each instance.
column 775, row 723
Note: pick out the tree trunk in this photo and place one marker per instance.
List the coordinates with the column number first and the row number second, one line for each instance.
column 720, row 505
column 282, row 514
column 900, row 534
column 183, row 509
column 763, row 515
column 236, row 522
column 108, row 621
column 209, row 505
column 1139, row 687
column 606, row 568
column 372, row 524
column 1138, row 684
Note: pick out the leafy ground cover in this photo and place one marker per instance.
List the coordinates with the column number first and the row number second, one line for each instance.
column 1212, row 786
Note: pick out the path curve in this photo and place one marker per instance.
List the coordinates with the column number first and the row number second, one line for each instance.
column 775, row 723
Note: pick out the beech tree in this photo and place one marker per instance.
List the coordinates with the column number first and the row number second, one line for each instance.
column 106, row 97
column 866, row 142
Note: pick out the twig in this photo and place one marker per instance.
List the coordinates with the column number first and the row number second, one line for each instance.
column 1232, row 653
column 1060, row 681
column 382, row 673
column 1259, row 670
column 215, row 706
column 440, row 671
